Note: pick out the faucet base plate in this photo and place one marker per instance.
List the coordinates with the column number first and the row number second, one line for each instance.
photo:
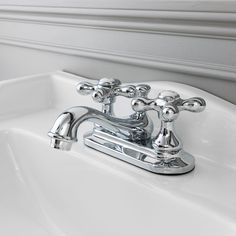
column 143, row 157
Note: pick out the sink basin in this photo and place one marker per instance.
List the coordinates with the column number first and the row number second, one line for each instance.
column 82, row 192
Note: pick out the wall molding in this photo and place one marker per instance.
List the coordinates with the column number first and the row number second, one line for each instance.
column 166, row 5
column 188, row 23
column 189, row 41
column 210, row 25
column 165, row 64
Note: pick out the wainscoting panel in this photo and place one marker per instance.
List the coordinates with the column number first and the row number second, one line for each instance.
column 195, row 47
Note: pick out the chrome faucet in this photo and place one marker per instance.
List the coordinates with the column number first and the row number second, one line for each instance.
column 130, row 139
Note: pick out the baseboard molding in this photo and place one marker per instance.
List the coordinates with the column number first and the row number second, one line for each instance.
column 165, row 64
column 187, row 23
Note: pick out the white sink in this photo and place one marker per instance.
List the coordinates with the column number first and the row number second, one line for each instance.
column 82, row 192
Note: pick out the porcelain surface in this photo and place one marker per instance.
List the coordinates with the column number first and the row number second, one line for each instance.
column 44, row 191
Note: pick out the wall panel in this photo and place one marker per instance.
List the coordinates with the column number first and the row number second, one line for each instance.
column 196, row 47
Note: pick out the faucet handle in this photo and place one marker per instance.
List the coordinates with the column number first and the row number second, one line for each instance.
column 142, row 90
column 169, row 104
column 109, row 88
column 105, row 91
column 102, row 91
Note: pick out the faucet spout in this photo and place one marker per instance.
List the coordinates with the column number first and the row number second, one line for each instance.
column 137, row 127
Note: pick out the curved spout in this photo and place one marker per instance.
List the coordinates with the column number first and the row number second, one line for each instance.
column 64, row 130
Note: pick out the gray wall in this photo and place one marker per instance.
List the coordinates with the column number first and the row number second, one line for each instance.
column 195, row 44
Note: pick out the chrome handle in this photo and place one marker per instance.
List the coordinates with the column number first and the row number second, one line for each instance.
column 142, row 90
column 102, row 91
column 168, row 104
column 105, row 91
